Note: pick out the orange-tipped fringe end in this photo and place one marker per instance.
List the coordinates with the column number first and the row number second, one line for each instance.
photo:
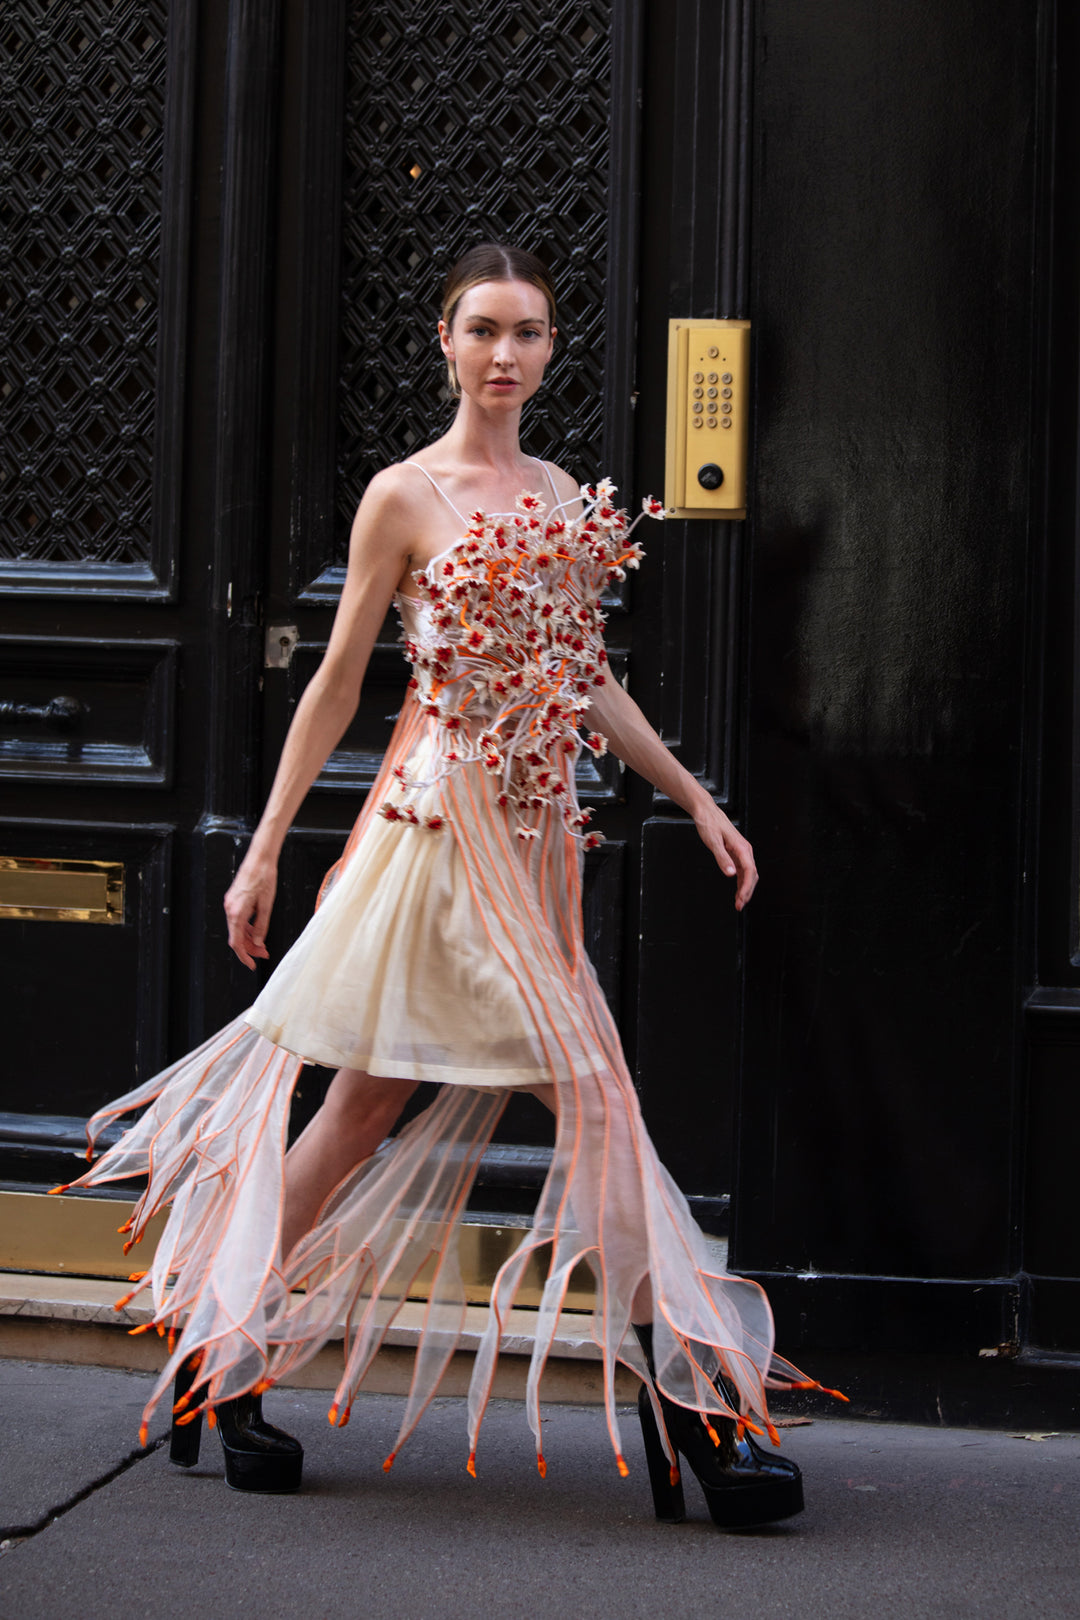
column 172, row 1340
column 673, row 1474
column 343, row 1420
column 470, row 1466
column 262, row 1386
column 128, row 1224
column 185, row 1417
column 332, row 1416
column 711, row 1432
column 125, row 1299
column 620, row 1463
column 63, row 1187
column 211, row 1418
column 541, row 1465
column 144, row 1434
column 389, row 1463
column 774, row 1434
column 811, row 1383
column 137, row 1276
column 160, row 1330
column 143, row 1327
column 185, row 1400
column 753, row 1427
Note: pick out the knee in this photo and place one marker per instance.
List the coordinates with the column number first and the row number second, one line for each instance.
column 356, row 1100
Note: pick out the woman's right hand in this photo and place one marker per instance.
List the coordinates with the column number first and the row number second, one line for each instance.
column 248, row 904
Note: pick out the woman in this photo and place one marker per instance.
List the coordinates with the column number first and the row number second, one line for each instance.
column 448, row 947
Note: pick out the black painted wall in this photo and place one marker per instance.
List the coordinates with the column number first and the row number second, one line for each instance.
column 896, row 226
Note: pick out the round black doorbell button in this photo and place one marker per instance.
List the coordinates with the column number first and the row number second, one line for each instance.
column 710, row 476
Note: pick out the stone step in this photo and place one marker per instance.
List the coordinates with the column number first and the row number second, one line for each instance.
column 74, row 1320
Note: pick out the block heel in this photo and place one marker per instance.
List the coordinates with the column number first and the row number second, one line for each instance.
column 185, row 1438
column 667, row 1493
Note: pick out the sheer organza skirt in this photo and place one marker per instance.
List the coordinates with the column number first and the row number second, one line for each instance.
column 454, row 956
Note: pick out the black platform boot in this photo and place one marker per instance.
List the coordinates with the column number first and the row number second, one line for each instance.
column 258, row 1456
column 742, row 1484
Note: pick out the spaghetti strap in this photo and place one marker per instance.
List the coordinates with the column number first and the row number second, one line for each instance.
column 551, row 481
column 437, row 488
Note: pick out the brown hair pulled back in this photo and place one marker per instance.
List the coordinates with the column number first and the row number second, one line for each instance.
column 491, row 261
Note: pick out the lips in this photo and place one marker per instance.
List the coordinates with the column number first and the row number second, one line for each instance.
column 503, row 384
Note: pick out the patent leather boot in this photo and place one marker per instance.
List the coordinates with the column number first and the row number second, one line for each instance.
column 258, row 1457
column 742, row 1484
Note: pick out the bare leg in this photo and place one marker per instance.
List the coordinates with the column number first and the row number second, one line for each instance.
column 358, row 1112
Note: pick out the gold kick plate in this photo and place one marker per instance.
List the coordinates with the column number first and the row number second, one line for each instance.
column 65, row 1235
column 40, row 889
column 707, row 418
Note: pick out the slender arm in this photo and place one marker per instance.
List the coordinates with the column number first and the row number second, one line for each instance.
column 378, row 556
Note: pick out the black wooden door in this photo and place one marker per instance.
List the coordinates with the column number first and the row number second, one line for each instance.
column 96, row 638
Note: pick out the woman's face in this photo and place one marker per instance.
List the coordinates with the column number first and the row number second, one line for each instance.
column 500, row 341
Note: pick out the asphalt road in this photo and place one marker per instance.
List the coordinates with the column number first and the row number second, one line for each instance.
column 900, row 1521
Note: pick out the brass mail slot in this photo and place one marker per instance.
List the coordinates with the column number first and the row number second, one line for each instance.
column 37, row 889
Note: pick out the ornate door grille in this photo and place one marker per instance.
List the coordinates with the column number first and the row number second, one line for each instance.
column 469, row 120
column 82, row 92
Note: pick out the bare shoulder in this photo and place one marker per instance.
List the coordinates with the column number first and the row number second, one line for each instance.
column 397, row 493
column 568, row 488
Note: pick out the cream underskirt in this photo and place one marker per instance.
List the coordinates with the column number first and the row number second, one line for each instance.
column 413, row 968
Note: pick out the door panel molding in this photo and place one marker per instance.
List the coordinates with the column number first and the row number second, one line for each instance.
column 85, row 517
column 81, row 1047
column 119, row 727
column 695, row 258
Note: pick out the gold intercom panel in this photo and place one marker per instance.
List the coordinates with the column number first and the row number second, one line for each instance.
column 708, row 406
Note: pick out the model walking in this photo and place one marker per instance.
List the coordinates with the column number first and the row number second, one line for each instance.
column 448, row 947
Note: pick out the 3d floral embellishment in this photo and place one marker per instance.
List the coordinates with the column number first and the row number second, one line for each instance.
column 509, row 651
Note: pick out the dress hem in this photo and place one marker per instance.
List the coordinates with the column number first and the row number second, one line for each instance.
column 392, row 1069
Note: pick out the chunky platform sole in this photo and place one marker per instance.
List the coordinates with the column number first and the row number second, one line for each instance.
column 734, row 1504
column 267, row 1476
column 258, row 1457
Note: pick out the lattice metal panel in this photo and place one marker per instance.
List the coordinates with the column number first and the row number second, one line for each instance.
column 466, row 121
column 82, row 86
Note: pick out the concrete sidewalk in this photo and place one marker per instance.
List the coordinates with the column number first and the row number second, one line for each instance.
column 910, row 1522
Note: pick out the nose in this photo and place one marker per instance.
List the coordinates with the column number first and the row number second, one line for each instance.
column 504, row 352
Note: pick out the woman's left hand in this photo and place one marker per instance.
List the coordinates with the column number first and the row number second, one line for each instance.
column 732, row 851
